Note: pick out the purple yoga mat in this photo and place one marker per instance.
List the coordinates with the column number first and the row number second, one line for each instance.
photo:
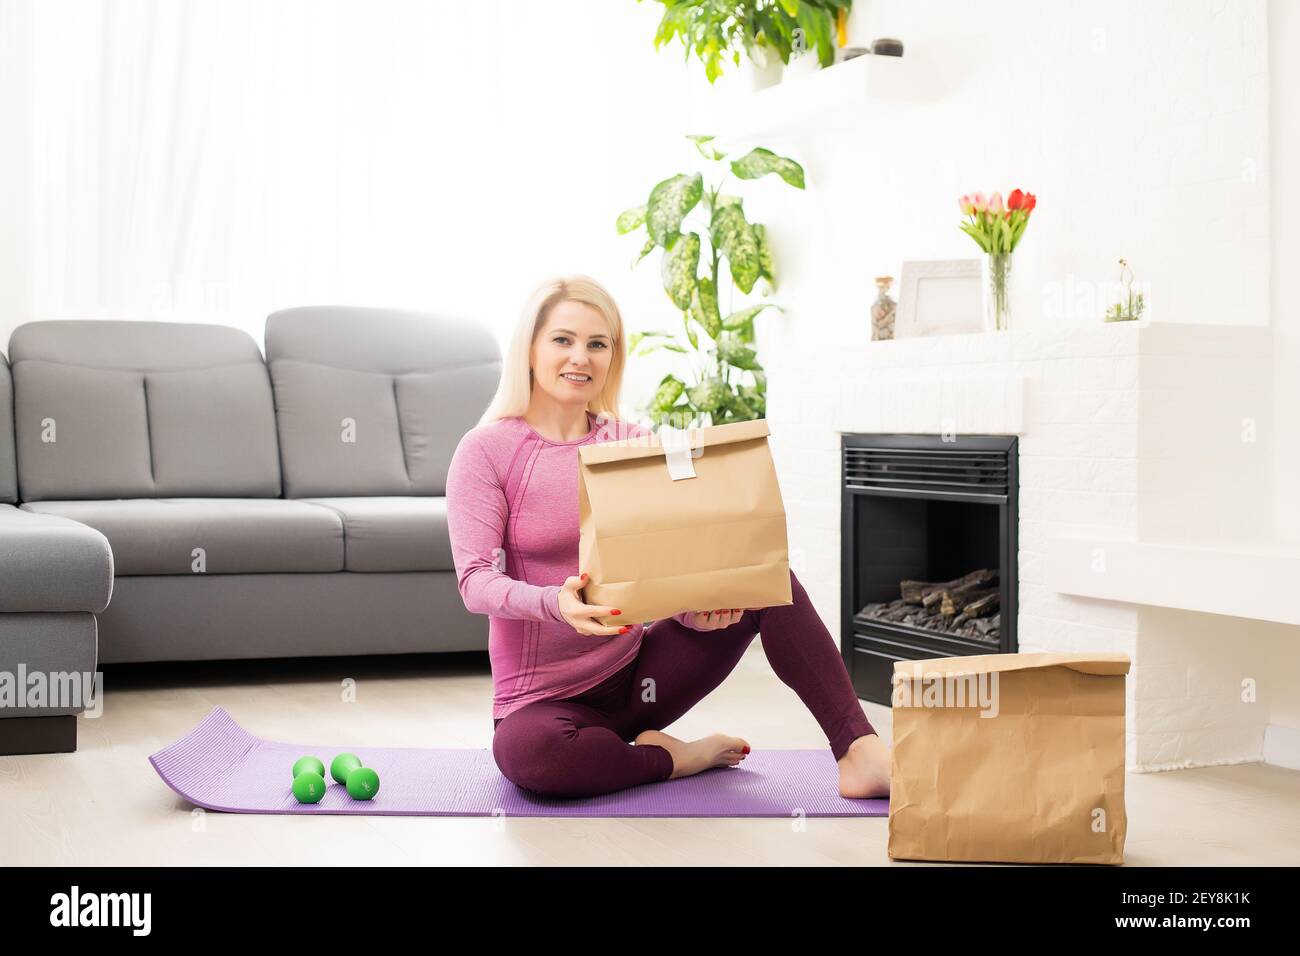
column 221, row 766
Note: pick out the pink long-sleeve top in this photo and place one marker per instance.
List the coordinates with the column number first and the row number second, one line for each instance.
column 512, row 515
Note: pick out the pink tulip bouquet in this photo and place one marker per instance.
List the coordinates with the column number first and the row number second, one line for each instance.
column 997, row 227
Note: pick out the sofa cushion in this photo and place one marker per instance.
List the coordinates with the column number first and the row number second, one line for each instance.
column 235, row 535
column 50, row 563
column 82, row 432
column 393, row 533
column 372, row 402
column 339, row 431
column 109, row 409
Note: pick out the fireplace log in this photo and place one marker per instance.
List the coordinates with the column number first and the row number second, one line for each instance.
column 954, row 601
column 915, row 592
column 942, row 596
column 985, row 605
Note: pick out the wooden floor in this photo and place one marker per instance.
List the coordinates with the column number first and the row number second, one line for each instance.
column 105, row 805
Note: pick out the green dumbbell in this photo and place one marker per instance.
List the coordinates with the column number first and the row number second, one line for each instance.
column 342, row 765
column 309, row 787
column 308, row 763
column 362, row 783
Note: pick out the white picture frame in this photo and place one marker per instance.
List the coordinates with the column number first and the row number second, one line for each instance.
column 940, row 297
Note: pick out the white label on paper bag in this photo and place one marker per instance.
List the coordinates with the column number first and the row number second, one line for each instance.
column 677, row 452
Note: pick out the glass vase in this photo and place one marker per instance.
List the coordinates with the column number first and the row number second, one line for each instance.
column 997, row 291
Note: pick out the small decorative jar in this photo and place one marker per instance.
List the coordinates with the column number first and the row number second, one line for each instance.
column 882, row 311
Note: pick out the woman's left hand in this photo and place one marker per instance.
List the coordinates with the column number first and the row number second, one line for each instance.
column 716, row 620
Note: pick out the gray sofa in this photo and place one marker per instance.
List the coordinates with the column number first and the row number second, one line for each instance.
column 200, row 502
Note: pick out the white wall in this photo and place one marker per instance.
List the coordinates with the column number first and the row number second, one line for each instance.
column 1141, row 127
column 1209, row 686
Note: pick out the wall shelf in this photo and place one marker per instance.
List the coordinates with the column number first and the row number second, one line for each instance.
column 1254, row 583
column 816, row 99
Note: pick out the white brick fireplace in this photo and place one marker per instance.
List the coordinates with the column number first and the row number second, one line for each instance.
column 1145, row 501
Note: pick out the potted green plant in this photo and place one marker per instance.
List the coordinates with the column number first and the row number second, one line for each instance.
column 729, row 384
column 717, row 30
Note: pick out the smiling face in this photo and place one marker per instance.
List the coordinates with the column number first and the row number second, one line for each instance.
column 571, row 355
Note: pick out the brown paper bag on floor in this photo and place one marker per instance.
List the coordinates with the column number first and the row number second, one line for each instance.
column 1039, row 780
column 683, row 521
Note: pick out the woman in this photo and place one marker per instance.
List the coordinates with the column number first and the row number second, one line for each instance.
column 579, row 707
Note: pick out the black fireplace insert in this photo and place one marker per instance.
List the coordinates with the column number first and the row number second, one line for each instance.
column 929, row 551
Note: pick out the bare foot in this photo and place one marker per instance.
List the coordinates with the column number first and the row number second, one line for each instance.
column 864, row 770
column 716, row 750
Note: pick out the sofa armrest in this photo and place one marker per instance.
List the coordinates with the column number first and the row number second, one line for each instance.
column 50, row 563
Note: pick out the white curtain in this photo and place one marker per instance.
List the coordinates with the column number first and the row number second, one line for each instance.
column 212, row 160
column 206, row 159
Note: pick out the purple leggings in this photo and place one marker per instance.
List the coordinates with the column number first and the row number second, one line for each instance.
column 579, row 746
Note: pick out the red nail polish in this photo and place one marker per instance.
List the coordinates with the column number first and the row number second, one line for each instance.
column 746, row 750
column 624, row 629
column 615, row 611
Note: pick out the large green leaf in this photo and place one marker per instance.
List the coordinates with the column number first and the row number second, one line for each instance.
column 738, row 407
column 704, row 306
column 734, row 238
column 636, row 337
column 709, row 395
column 776, row 28
column 630, row 219
column 818, row 24
column 680, row 416
column 669, row 203
column 742, row 322
column 745, row 316
column 754, row 399
column 758, row 162
column 679, row 264
column 764, row 255
column 734, row 352
column 656, row 346
column 670, row 388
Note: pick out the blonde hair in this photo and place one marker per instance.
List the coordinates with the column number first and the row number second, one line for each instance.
column 514, row 391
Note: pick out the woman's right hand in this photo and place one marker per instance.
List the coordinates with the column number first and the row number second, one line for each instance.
column 582, row 616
